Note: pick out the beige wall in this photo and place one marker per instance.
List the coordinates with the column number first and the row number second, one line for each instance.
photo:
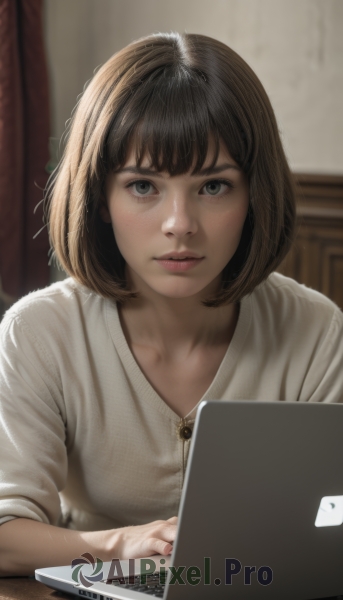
column 295, row 47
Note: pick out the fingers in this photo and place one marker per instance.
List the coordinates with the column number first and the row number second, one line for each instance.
column 164, row 531
column 162, row 538
column 168, row 533
column 172, row 520
column 157, row 546
column 145, row 540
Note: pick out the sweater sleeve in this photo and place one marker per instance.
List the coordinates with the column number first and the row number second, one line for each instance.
column 33, row 456
column 324, row 379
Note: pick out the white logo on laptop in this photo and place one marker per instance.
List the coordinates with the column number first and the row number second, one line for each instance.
column 330, row 511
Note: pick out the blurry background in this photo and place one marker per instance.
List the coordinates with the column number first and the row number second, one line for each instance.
column 296, row 49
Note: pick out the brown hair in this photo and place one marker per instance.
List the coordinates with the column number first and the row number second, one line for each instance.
column 168, row 93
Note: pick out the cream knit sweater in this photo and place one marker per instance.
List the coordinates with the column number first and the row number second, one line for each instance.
column 86, row 442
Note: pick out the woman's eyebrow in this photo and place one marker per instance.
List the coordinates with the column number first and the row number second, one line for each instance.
column 205, row 171
column 218, row 169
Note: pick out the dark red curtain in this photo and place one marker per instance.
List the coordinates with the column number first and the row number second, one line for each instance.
column 24, row 151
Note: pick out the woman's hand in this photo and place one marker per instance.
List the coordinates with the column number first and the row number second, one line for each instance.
column 144, row 540
column 26, row 545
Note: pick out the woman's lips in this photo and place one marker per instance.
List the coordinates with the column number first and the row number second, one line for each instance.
column 178, row 265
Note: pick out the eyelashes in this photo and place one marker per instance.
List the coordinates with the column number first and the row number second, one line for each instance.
column 220, row 182
column 145, row 183
column 140, row 181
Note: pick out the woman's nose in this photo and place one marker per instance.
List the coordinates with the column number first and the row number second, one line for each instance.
column 179, row 220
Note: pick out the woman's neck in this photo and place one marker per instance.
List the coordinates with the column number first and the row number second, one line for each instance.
column 172, row 324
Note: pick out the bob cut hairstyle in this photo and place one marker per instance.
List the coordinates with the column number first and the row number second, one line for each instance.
column 168, row 94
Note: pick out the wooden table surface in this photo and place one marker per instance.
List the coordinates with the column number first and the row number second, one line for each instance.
column 25, row 588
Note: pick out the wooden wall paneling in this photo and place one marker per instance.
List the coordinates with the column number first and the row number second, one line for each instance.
column 332, row 273
column 316, row 258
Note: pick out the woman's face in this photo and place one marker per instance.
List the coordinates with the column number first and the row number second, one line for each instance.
column 177, row 234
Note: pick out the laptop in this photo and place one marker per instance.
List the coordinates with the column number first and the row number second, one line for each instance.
column 260, row 517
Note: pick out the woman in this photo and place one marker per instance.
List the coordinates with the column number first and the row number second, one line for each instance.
column 171, row 209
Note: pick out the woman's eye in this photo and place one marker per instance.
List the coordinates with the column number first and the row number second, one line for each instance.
column 141, row 188
column 216, row 187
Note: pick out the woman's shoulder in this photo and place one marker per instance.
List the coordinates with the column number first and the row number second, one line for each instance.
column 284, row 303
column 61, row 305
column 281, row 289
column 48, row 329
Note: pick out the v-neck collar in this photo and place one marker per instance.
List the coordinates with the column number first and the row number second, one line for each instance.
column 137, row 377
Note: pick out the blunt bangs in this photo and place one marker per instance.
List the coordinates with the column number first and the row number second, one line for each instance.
column 167, row 96
column 170, row 118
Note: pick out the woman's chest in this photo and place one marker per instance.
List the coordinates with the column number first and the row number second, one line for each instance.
column 181, row 382
column 126, row 456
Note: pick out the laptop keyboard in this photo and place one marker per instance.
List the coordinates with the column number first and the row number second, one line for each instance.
column 152, row 586
column 155, row 588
